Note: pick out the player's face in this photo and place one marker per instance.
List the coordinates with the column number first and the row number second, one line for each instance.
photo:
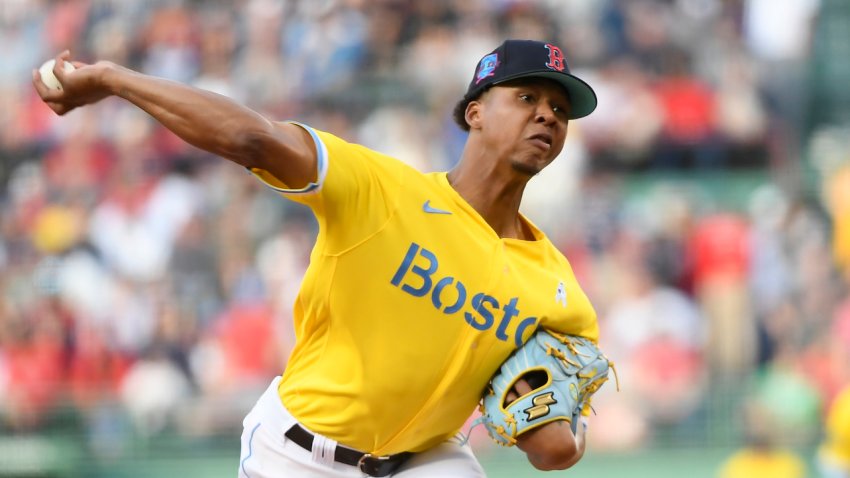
column 526, row 122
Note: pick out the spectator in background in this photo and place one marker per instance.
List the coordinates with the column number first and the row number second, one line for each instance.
column 170, row 42
column 719, row 246
column 658, row 337
column 688, row 137
column 218, row 40
column 32, row 364
column 624, row 135
column 778, row 36
column 786, row 398
column 834, row 453
column 760, row 457
column 740, row 116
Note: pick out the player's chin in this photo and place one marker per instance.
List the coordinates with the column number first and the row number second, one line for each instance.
column 530, row 166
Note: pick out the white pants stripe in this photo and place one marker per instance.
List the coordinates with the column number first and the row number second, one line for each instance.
column 267, row 453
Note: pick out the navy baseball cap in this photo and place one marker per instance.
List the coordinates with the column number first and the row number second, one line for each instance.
column 516, row 59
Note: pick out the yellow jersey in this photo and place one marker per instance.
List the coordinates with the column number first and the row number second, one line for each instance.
column 835, row 448
column 751, row 463
column 410, row 303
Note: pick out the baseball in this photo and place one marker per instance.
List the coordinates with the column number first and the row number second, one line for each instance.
column 47, row 76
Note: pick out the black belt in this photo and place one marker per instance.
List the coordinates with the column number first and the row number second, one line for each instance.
column 369, row 464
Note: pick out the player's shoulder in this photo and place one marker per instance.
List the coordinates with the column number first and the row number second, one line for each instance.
column 347, row 148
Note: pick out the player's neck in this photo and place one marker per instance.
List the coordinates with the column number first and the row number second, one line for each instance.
column 494, row 195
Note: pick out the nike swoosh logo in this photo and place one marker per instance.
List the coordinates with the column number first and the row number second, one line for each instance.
column 432, row 210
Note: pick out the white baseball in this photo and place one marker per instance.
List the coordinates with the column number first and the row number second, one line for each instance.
column 47, row 76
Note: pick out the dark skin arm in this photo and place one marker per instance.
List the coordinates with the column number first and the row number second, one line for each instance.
column 203, row 119
column 552, row 446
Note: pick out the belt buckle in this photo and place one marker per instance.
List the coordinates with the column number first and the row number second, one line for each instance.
column 373, row 465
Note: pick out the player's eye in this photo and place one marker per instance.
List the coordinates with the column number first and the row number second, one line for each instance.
column 559, row 111
column 526, row 97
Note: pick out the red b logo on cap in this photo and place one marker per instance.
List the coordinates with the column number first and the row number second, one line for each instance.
column 556, row 58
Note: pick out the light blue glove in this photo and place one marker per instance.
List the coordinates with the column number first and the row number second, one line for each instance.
column 564, row 372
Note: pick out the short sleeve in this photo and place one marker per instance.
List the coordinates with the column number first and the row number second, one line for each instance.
column 355, row 192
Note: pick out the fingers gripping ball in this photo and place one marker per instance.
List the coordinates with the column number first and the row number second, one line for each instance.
column 47, row 76
column 574, row 368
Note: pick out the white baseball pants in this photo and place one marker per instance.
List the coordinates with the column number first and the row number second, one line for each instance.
column 267, row 453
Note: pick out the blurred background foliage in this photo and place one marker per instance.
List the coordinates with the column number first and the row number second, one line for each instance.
column 146, row 288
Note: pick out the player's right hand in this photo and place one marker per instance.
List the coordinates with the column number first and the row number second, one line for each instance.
column 80, row 87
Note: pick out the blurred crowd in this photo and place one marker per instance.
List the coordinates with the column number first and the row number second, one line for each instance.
column 142, row 278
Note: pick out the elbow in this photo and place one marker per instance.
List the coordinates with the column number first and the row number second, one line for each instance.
column 555, row 456
column 552, row 446
column 554, row 463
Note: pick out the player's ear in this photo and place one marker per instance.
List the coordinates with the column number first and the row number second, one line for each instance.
column 473, row 114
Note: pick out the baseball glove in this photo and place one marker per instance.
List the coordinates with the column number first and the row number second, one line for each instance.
column 563, row 371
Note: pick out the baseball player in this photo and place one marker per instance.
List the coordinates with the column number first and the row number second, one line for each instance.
column 419, row 286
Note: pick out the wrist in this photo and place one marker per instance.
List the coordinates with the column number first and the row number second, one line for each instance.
column 110, row 77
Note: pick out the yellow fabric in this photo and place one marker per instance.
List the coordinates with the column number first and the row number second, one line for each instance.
column 836, row 445
column 838, row 202
column 56, row 229
column 749, row 463
column 404, row 315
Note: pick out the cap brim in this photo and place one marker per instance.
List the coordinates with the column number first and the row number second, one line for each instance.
column 582, row 97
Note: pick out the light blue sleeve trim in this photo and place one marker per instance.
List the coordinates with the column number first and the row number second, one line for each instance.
column 321, row 165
